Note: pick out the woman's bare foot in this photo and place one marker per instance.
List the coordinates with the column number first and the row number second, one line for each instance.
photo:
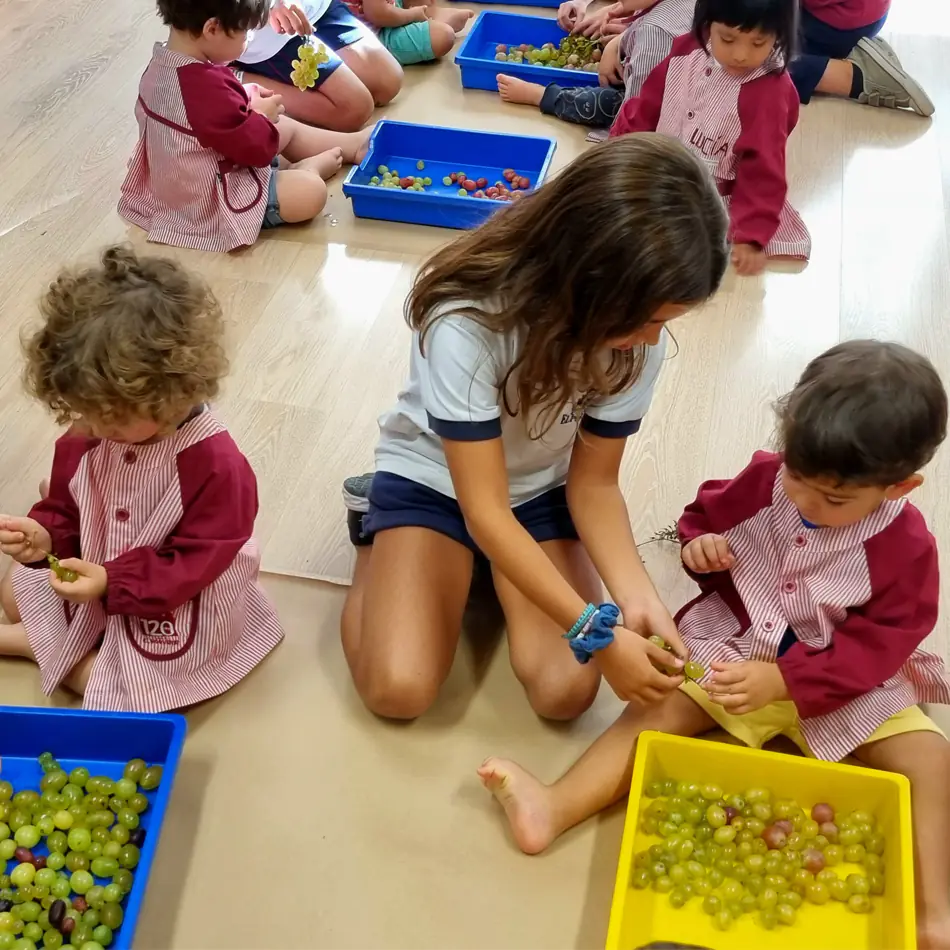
column 517, row 90
column 933, row 931
column 326, row 164
column 455, row 18
column 526, row 802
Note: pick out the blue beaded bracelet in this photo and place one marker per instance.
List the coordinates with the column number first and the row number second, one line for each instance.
column 581, row 622
column 597, row 634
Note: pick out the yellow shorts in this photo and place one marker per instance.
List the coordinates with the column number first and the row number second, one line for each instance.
column 781, row 719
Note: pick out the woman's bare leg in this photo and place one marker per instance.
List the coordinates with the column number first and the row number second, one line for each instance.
column 924, row 757
column 539, row 813
column 403, row 616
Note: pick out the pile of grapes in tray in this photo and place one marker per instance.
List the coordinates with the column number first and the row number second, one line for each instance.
column 738, row 854
column 70, row 848
column 573, row 52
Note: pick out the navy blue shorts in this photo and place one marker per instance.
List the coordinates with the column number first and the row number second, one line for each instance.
column 397, row 502
column 336, row 29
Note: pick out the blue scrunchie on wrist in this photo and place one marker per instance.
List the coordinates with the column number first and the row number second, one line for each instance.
column 600, row 634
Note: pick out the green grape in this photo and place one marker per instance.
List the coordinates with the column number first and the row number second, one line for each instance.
column 462, row 193
column 855, row 854
column 678, row 897
column 875, row 883
column 663, row 885
column 125, row 789
column 679, row 874
column 826, row 876
column 874, row 843
column 849, row 835
column 63, row 820
column 694, row 814
column 95, row 896
column 79, row 839
column 768, row 899
column 75, row 861
column 6, row 791
column 17, row 820
column 648, row 825
column 52, row 940
column 722, row 920
column 4, row 831
column 127, row 817
column 104, row 785
column 72, row 794
column 31, row 933
column 731, row 890
column 61, row 889
column 81, row 881
column 54, row 780
column 754, row 863
column 112, row 894
column 768, row 918
column 7, row 940
column 859, row 904
column 755, row 826
column 724, row 835
column 7, row 848
column 40, row 892
column 716, row 817
column 80, row 935
column 762, row 811
column 91, row 945
column 120, row 834
column 28, row 912
column 786, row 914
column 111, row 915
column 129, row 856
column 124, row 879
column 22, row 875
column 840, row 889
column 640, row 879
column 45, row 877
column 755, row 884
column 55, row 861
column 834, row 854
column 45, row 825
column 715, row 877
column 7, row 922
column 858, row 883
column 654, row 789
column 102, row 935
column 792, row 899
column 79, row 776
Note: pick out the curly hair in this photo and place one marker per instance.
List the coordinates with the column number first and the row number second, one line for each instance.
column 629, row 226
column 132, row 338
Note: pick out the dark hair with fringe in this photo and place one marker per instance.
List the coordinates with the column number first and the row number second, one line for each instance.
column 863, row 413
column 776, row 17
column 590, row 257
column 233, row 15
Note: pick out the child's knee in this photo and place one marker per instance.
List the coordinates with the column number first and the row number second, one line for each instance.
column 397, row 691
column 384, row 77
column 441, row 37
column 7, row 598
column 300, row 197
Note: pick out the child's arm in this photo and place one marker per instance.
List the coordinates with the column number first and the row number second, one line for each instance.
column 877, row 638
column 219, row 505
column 767, row 113
column 216, row 105
column 381, row 13
column 652, row 46
column 642, row 113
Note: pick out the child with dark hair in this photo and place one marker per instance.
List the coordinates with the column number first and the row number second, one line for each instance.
column 217, row 161
column 842, row 55
column 818, row 583
column 724, row 91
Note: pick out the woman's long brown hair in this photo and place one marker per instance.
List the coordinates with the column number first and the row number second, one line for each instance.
column 589, row 258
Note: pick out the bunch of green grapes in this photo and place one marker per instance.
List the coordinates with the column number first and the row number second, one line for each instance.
column 747, row 854
column 90, row 827
column 305, row 69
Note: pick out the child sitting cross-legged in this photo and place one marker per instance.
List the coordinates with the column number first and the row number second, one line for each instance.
column 412, row 30
column 818, row 582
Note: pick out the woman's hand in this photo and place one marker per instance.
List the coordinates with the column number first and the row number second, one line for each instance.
column 609, row 70
column 708, row 553
column 628, row 665
column 649, row 617
column 748, row 259
column 570, row 12
column 92, row 583
column 289, row 18
column 24, row 539
column 601, row 23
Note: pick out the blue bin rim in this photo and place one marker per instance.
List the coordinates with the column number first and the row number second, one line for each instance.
column 350, row 187
column 126, row 934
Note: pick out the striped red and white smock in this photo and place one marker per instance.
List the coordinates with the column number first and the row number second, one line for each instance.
column 739, row 126
column 648, row 40
column 201, row 168
column 860, row 600
column 184, row 617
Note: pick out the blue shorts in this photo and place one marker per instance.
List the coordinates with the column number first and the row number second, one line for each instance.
column 336, row 29
column 272, row 218
column 397, row 502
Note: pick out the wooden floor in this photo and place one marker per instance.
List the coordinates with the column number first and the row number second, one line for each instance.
column 335, row 829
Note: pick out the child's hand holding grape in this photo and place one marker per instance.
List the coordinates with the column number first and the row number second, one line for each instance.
column 91, row 582
column 24, row 539
column 267, row 103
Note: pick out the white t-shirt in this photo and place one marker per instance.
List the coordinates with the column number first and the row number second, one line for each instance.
column 267, row 42
column 454, row 392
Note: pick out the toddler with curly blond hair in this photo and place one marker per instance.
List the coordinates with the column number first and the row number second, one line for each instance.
column 152, row 601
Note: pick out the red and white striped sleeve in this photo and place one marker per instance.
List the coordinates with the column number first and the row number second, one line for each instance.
column 876, row 639
column 219, row 505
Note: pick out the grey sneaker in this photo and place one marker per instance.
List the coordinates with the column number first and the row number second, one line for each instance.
column 356, row 492
column 886, row 84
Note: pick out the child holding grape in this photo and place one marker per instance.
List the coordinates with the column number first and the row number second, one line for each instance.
column 818, row 583
column 724, row 91
column 150, row 505
column 533, row 361
column 217, row 161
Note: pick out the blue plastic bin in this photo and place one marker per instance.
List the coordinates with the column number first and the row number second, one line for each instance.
column 400, row 145
column 476, row 55
column 102, row 742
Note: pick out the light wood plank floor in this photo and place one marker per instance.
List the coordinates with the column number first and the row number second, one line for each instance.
column 337, row 830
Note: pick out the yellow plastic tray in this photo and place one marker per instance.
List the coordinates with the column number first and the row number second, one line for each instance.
column 638, row 917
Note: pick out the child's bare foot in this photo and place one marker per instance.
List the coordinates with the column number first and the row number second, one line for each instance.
column 357, row 145
column 933, row 931
column 455, row 18
column 525, row 800
column 517, row 90
column 326, row 164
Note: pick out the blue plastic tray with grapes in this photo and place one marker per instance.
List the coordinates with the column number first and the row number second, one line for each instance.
column 104, row 821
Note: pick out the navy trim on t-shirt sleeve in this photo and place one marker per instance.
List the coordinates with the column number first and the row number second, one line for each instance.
column 610, row 430
column 465, row 431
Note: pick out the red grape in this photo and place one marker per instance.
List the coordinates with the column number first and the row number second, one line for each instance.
column 479, row 194
column 731, row 814
column 774, row 837
column 785, row 825
column 813, row 860
column 501, row 48
column 822, row 812
column 830, row 830
column 491, row 192
column 67, row 925
column 405, row 182
column 468, row 184
column 454, row 176
column 508, row 174
column 79, row 903
column 481, row 182
column 39, row 862
column 23, row 856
